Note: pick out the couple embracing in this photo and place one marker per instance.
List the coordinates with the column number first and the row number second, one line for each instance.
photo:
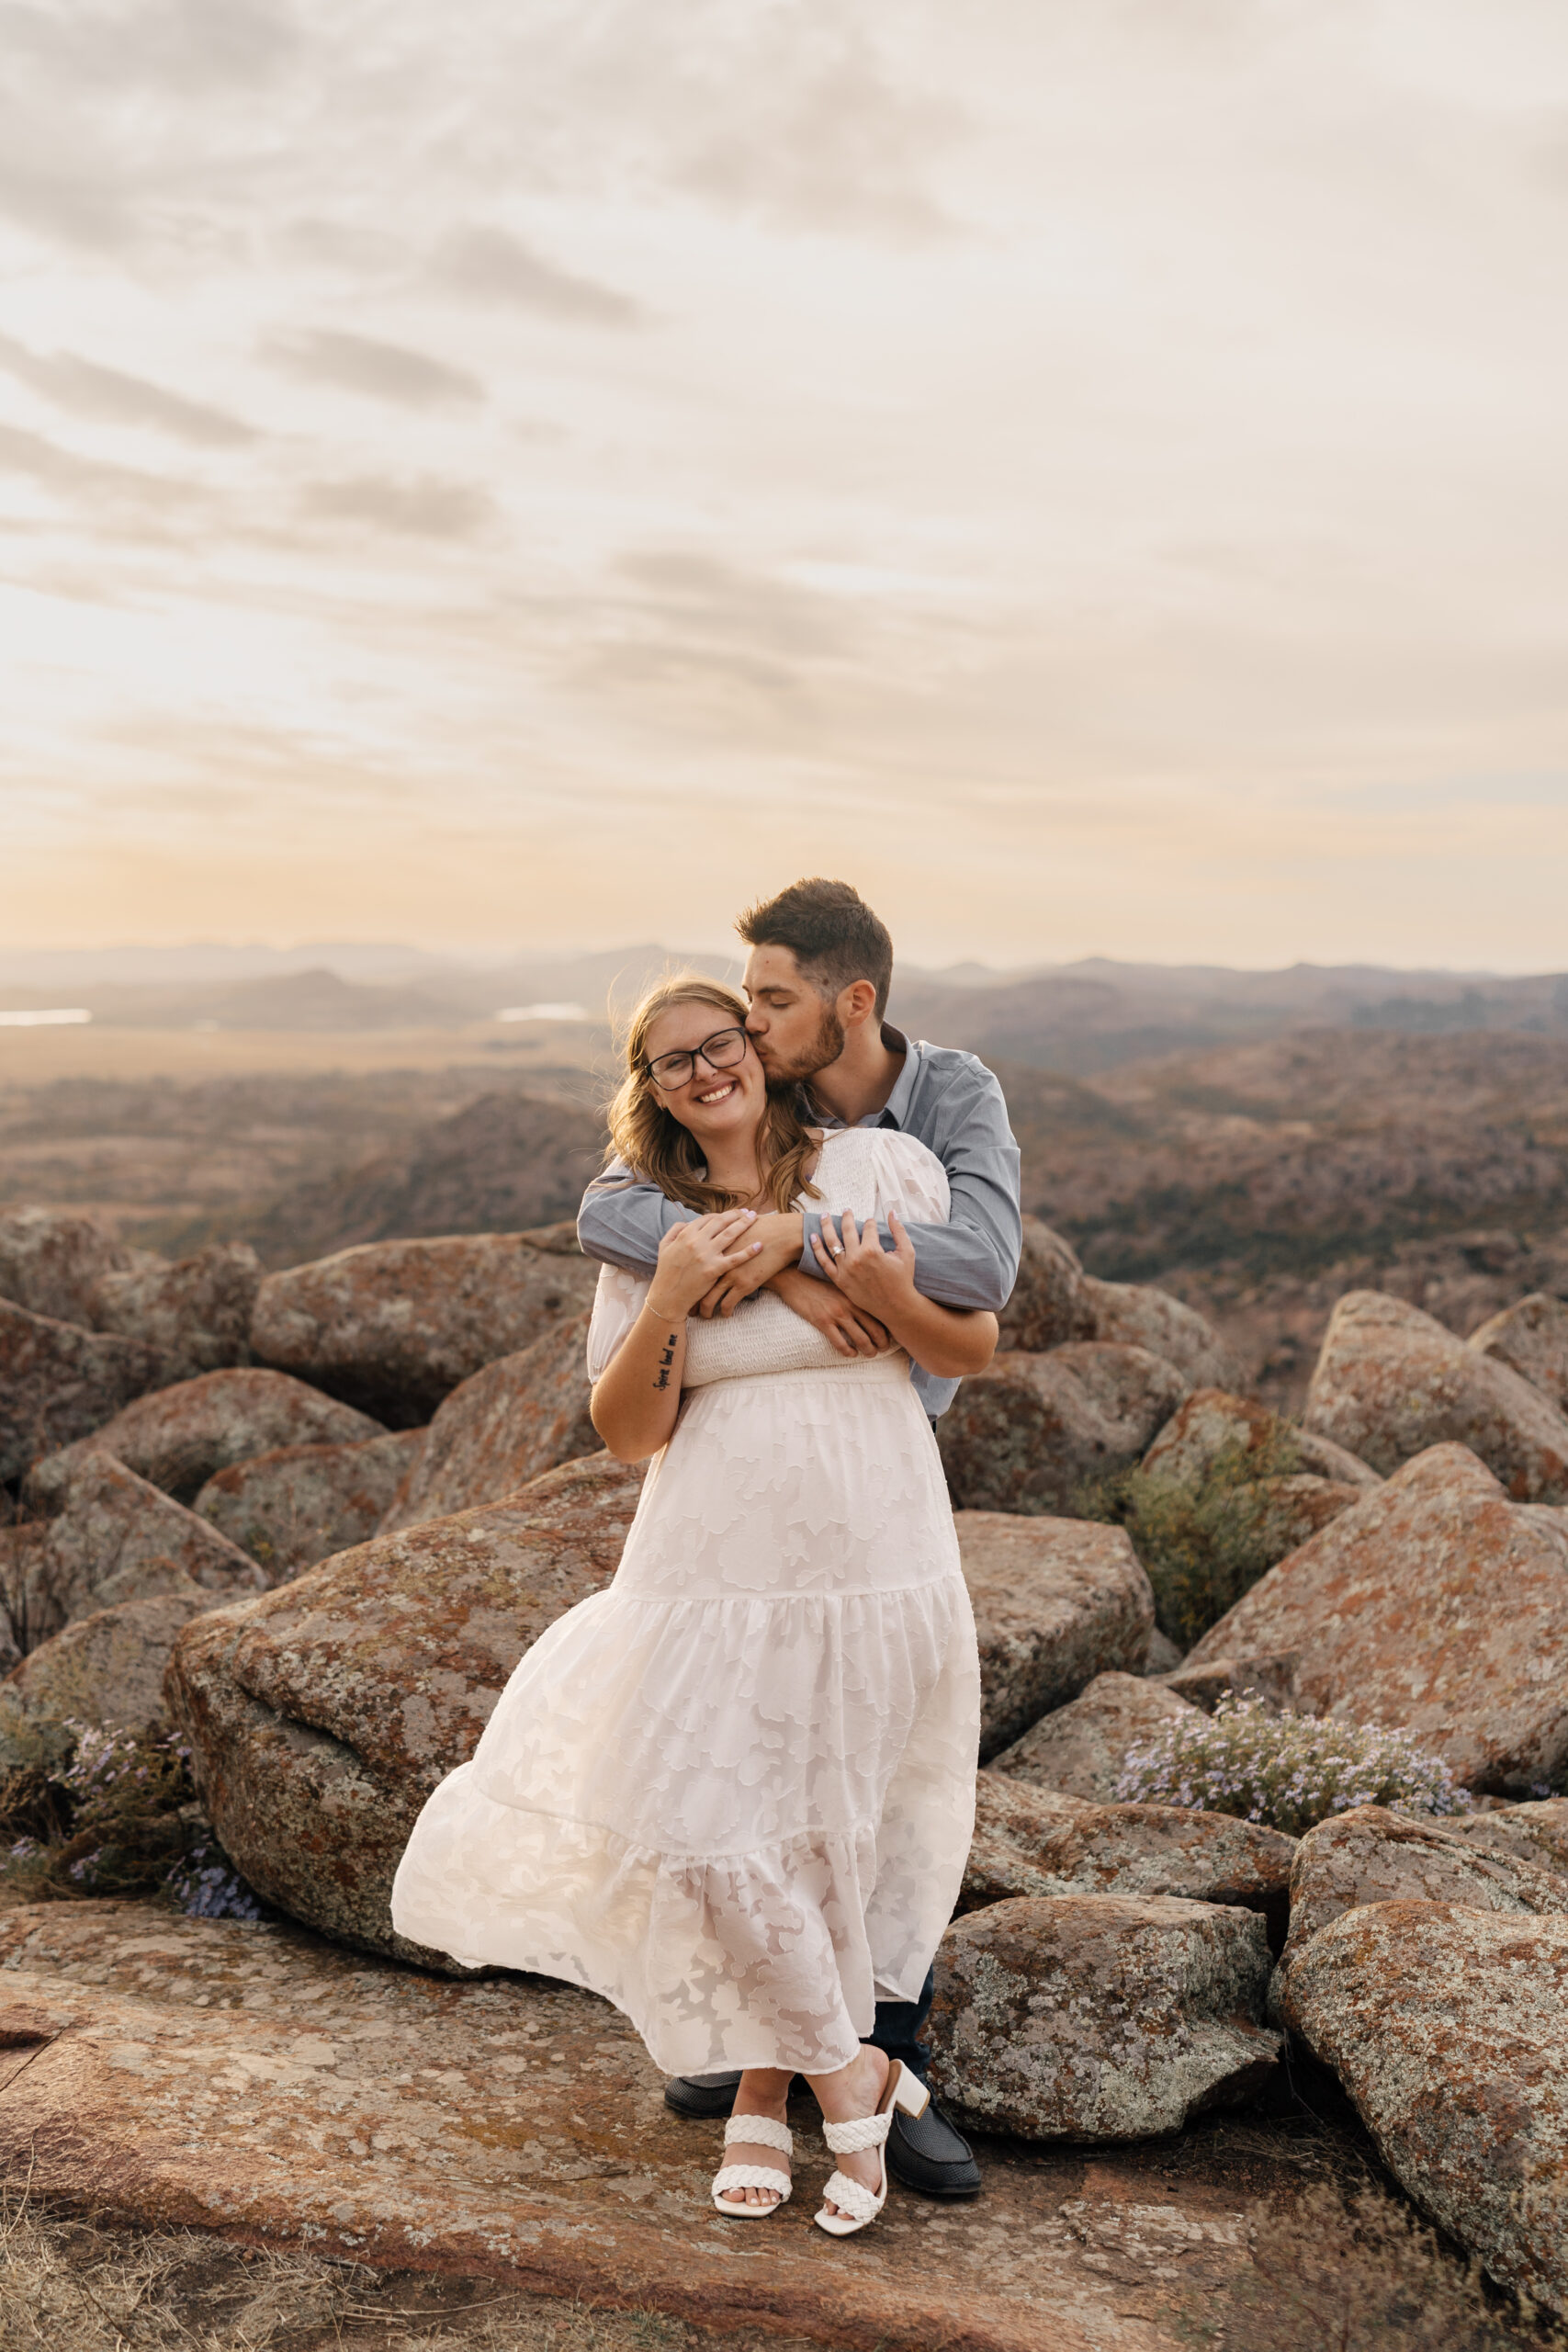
column 734, row 1792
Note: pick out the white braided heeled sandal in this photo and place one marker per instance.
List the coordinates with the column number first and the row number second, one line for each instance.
column 762, row 2133
column 858, row 2205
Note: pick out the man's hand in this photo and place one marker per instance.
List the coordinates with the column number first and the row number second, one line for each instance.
column 872, row 1278
column 776, row 1243
column 848, row 1327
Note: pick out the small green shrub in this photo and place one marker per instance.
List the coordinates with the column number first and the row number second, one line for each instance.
column 1203, row 1542
column 117, row 1816
column 1288, row 1771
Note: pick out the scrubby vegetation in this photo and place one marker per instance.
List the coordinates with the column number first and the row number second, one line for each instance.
column 1288, row 1771
column 1203, row 1541
column 117, row 1815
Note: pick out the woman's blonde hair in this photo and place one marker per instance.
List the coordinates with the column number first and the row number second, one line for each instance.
column 651, row 1142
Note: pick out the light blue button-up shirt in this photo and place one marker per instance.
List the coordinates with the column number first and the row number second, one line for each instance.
column 948, row 1101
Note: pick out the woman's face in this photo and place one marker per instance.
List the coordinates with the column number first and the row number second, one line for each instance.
column 714, row 1104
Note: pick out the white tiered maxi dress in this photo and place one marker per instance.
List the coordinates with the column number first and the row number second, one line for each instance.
column 734, row 1792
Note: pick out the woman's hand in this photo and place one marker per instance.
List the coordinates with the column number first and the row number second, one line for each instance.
column 695, row 1256
column 882, row 1281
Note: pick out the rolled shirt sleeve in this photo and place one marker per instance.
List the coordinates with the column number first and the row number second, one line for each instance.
column 623, row 1220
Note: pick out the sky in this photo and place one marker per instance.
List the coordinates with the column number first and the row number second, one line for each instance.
column 533, row 475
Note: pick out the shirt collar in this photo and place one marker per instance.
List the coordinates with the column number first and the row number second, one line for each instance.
column 896, row 1110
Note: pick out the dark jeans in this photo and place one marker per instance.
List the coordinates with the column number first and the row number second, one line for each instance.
column 898, row 2025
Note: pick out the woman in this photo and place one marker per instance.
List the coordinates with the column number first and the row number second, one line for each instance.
column 734, row 1792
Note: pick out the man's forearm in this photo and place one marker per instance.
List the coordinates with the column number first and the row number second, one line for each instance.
column 624, row 1225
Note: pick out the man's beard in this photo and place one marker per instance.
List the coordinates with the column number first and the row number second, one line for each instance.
column 825, row 1047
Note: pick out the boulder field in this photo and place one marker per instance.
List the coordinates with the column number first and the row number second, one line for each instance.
column 1030, row 1841
column 500, row 1428
column 115, row 1531
column 58, row 1382
column 195, row 1314
column 1391, row 1383
column 1082, row 1746
column 396, row 1442
column 52, row 1260
column 1436, row 1605
column 1057, row 1602
column 1531, row 1339
column 393, row 1326
column 95, row 1599
column 1370, row 1855
column 1212, row 1425
column 260, row 2082
column 1055, row 1302
column 1033, row 1433
column 181, row 1436
column 192, row 1315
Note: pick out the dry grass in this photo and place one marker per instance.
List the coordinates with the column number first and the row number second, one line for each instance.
column 70, row 2286
column 1333, row 2272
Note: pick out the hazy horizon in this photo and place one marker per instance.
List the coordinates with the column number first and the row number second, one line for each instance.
column 371, row 960
column 1094, row 477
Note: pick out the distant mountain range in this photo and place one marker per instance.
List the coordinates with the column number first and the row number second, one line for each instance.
column 1078, row 1018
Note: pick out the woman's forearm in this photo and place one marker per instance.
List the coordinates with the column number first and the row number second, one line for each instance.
column 638, row 1396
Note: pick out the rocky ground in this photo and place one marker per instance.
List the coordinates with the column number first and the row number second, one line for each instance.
column 497, row 2162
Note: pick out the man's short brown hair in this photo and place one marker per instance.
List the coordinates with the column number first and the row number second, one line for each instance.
column 831, row 932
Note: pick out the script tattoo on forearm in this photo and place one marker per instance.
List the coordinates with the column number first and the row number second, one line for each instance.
column 665, row 1360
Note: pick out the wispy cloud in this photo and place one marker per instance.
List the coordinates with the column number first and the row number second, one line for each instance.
column 382, row 371
column 74, row 207
column 108, row 395
column 492, row 266
column 104, row 493
column 819, row 132
column 187, row 47
column 421, row 509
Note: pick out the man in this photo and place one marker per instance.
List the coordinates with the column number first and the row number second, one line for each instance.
column 817, row 977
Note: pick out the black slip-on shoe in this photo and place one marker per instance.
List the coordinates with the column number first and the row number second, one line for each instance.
column 698, row 2096
column 924, row 2153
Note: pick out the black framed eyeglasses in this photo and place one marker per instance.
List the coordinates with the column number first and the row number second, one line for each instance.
column 721, row 1051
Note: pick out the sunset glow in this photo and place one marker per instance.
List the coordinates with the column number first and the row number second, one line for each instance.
column 1093, row 477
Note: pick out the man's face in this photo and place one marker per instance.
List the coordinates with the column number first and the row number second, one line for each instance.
column 795, row 1032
